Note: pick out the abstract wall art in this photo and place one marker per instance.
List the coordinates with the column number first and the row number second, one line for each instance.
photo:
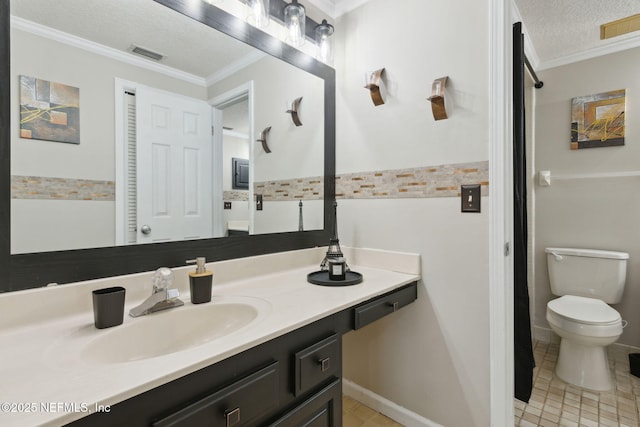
column 598, row 120
column 49, row 111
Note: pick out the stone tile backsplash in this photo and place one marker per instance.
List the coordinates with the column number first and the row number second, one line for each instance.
column 40, row 187
column 419, row 182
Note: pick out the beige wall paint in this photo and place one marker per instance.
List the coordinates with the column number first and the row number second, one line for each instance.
column 433, row 356
column 94, row 75
column 296, row 151
column 590, row 213
column 45, row 225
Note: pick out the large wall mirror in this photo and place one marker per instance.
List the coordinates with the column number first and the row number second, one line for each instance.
column 122, row 163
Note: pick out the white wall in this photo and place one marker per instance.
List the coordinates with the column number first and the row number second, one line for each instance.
column 590, row 213
column 281, row 216
column 431, row 357
column 41, row 225
column 296, row 152
column 94, row 75
column 232, row 147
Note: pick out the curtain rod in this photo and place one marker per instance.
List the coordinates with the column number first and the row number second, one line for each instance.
column 537, row 83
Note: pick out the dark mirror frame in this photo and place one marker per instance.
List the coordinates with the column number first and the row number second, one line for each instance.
column 24, row 271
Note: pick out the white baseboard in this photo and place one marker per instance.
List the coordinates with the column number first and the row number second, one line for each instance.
column 545, row 335
column 384, row 406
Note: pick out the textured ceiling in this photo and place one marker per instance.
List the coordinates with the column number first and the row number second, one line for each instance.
column 120, row 23
column 563, row 31
column 560, row 31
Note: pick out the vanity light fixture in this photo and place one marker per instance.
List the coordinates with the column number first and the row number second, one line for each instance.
column 294, row 20
column 263, row 139
column 292, row 109
column 324, row 41
column 258, row 13
column 373, row 81
column 437, row 98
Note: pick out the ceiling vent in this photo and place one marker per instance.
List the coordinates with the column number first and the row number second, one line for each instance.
column 620, row 27
column 146, row 53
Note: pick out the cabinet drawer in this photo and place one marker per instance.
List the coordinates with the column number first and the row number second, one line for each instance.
column 323, row 409
column 384, row 305
column 238, row 404
column 316, row 363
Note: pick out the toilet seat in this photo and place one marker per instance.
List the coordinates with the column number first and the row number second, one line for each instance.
column 590, row 311
column 584, row 316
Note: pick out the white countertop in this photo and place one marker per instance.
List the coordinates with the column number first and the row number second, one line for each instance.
column 42, row 370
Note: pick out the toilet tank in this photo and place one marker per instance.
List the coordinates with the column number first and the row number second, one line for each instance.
column 587, row 273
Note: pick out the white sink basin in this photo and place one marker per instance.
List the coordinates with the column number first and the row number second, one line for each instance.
column 170, row 331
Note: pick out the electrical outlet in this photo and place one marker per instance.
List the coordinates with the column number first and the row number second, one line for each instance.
column 258, row 202
column 227, row 205
column 470, row 198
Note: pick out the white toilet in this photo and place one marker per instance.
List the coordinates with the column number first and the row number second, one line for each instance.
column 587, row 281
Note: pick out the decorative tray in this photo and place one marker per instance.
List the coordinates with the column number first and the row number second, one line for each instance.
column 322, row 278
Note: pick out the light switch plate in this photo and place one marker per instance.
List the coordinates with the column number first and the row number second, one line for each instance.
column 470, row 198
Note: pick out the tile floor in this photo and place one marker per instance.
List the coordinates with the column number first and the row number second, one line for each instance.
column 356, row 414
column 556, row 403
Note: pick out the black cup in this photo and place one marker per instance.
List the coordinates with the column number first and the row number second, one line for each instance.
column 108, row 307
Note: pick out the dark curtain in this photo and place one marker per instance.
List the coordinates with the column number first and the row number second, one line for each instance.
column 523, row 351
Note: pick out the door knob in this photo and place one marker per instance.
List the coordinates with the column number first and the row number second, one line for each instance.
column 145, row 229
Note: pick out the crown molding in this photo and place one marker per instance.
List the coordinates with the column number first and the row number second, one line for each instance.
column 337, row 8
column 345, row 6
column 234, row 67
column 325, row 6
column 618, row 46
column 99, row 49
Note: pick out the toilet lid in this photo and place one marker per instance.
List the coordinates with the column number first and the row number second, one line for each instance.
column 589, row 311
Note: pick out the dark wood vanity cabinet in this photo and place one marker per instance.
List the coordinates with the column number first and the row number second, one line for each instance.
column 293, row 380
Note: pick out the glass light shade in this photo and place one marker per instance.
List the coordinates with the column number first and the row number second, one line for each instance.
column 294, row 20
column 258, row 13
column 324, row 42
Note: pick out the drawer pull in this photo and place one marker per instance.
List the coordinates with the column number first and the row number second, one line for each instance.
column 395, row 305
column 325, row 364
column 233, row 417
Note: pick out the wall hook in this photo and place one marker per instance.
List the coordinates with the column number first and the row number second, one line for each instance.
column 293, row 110
column 437, row 98
column 374, row 81
column 263, row 139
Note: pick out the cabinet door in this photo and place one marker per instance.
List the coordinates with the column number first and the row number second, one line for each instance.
column 241, row 403
column 324, row 409
column 317, row 363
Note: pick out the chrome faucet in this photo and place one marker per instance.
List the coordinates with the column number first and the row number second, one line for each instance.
column 162, row 297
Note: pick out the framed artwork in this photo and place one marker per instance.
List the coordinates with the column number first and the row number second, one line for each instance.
column 598, row 120
column 49, row 111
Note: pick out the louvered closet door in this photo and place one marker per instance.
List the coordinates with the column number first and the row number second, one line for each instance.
column 130, row 183
column 174, row 167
